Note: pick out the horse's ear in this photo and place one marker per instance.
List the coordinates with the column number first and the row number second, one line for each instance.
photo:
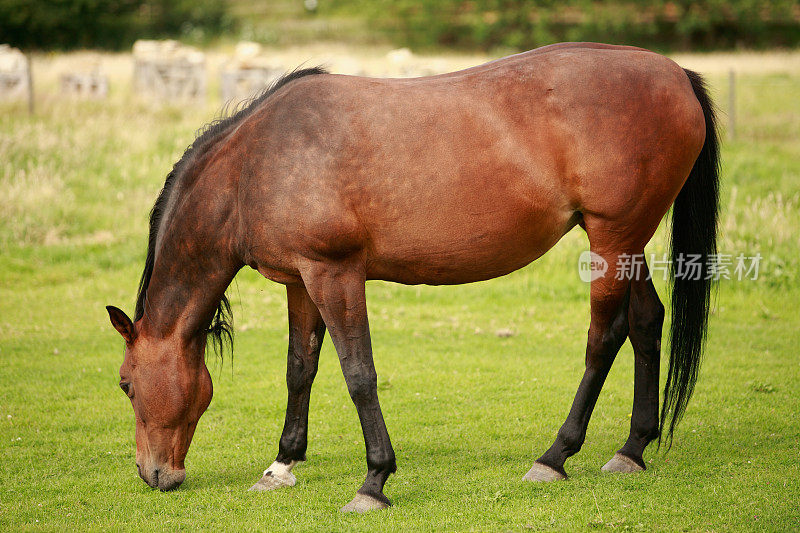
column 121, row 323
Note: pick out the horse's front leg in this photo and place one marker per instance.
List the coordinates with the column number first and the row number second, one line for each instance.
column 306, row 331
column 338, row 291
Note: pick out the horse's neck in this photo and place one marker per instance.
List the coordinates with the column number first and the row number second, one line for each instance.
column 195, row 262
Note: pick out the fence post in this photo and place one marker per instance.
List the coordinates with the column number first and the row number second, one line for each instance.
column 731, row 104
column 30, row 82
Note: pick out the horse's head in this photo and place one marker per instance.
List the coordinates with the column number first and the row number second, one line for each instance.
column 169, row 387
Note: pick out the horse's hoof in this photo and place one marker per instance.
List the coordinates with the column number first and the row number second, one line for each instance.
column 622, row 463
column 363, row 503
column 542, row 472
column 276, row 476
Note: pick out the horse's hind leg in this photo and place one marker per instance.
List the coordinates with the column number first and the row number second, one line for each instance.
column 306, row 331
column 338, row 290
column 646, row 318
column 607, row 331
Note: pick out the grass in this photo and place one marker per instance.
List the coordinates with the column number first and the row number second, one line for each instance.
column 468, row 410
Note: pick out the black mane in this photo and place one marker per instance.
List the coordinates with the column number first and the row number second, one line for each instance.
column 220, row 329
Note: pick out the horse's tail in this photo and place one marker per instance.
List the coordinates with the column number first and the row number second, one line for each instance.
column 694, row 237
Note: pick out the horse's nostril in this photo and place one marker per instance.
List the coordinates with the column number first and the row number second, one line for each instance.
column 155, row 477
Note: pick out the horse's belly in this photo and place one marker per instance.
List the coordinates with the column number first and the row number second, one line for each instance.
column 466, row 249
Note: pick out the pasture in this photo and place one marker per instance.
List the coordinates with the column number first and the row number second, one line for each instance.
column 474, row 380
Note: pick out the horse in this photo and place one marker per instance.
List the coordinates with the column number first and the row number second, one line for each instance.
column 326, row 181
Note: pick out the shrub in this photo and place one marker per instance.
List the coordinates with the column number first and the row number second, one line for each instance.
column 113, row 24
column 523, row 24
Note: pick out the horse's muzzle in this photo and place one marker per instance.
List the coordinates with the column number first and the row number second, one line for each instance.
column 162, row 478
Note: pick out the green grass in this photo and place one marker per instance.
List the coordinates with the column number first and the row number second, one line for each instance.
column 468, row 411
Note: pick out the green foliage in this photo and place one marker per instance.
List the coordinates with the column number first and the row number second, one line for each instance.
column 115, row 24
column 475, row 24
column 523, row 24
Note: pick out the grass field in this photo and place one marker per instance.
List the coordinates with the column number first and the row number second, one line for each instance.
column 468, row 410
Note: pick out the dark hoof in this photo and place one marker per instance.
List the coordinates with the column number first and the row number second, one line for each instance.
column 623, row 464
column 363, row 503
column 542, row 472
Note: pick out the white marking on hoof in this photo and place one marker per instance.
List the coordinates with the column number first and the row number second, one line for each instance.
column 622, row 463
column 540, row 472
column 363, row 503
column 276, row 476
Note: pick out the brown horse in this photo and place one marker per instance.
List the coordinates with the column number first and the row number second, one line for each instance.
column 326, row 181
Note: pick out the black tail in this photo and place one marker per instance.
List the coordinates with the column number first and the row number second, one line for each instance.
column 694, row 235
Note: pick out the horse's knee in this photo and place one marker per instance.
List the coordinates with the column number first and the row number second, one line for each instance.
column 362, row 386
column 303, row 358
column 300, row 372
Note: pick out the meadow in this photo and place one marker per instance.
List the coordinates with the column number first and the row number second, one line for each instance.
column 474, row 380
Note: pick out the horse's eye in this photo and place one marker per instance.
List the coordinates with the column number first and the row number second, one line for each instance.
column 126, row 387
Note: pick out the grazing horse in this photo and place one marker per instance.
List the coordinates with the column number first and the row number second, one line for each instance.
column 326, row 181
